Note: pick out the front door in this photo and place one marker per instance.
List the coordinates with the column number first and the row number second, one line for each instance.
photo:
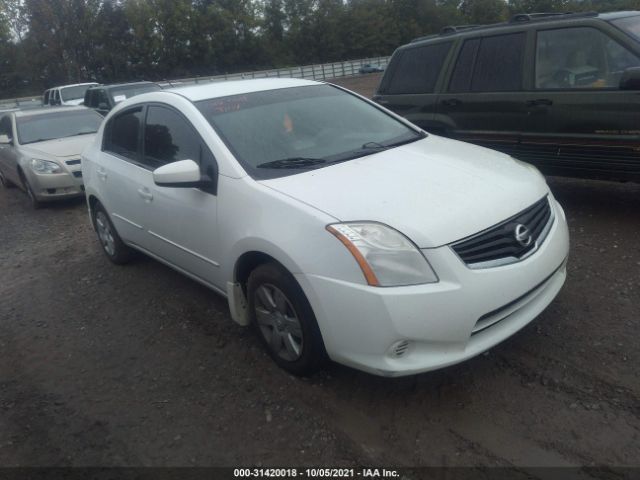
column 580, row 122
column 182, row 222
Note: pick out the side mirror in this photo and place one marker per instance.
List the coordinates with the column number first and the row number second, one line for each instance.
column 5, row 140
column 182, row 174
column 630, row 79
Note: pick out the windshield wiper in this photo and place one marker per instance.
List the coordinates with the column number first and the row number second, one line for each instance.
column 293, row 162
column 374, row 146
column 37, row 140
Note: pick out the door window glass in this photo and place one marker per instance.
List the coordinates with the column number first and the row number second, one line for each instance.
column 461, row 77
column 168, row 137
column 498, row 64
column 418, row 68
column 5, row 126
column 583, row 57
column 122, row 133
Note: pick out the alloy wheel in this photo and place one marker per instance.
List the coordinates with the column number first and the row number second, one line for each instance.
column 278, row 322
column 105, row 234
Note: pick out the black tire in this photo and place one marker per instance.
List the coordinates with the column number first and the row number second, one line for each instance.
column 5, row 182
column 270, row 277
column 35, row 203
column 111, row 243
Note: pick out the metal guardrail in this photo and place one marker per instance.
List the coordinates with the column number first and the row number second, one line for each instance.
column 311, row 72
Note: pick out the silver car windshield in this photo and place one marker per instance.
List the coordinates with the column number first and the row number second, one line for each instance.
column 301, row 127
column 59, row 124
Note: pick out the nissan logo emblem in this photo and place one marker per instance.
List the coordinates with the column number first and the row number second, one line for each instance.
column 523, row 235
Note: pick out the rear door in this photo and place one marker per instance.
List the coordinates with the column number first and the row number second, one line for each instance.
column 121, row 176
column 482, row 101
column 411, row 81
column 580, row 123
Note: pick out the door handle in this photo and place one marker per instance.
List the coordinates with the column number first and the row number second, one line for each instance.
column 145, row 193
column 101, row 173
column 539, row 102
column 451, row 102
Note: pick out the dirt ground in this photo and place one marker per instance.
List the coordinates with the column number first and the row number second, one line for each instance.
column 138, row 365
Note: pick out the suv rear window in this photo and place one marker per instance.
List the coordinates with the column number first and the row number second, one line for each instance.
column 417, row 69
column 490, row 64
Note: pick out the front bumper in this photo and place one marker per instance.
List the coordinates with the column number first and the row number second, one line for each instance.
column 440, row 324
column 49, row 187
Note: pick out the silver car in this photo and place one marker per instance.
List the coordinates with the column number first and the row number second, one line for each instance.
column 40, row 150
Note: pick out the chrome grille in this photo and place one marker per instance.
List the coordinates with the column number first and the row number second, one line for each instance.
column 508, row 241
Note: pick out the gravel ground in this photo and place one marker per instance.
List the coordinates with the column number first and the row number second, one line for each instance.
column 138, row 365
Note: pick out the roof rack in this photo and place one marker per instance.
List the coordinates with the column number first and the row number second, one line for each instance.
column 528, row 17
column 518, row 18
column 419, row 39
column 457, row 28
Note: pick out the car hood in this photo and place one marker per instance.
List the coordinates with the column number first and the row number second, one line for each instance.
column 435, row 191
column 60, row 147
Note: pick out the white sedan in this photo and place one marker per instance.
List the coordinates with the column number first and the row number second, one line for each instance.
column 332, row 225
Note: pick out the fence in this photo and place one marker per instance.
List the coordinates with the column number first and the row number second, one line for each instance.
column 312, row 72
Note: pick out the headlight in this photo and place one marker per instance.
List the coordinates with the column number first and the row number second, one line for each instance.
column 387, row 258
column 45, row 166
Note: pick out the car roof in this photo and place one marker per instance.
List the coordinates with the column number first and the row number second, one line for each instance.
column 45, row 110
column 238, row 87
column 519, row 21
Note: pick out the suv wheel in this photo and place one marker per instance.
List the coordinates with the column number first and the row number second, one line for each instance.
column 284, row 321
column 112, row 245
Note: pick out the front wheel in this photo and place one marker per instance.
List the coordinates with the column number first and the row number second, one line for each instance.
column 284, row 320
column 35, row 203
column 112, row 245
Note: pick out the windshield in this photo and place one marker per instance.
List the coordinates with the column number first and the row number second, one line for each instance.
column 74, row 93
column 630, row 25
column 118, row 94
column 38, row 128
column 279, row 132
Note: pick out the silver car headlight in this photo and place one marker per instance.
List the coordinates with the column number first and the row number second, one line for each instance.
column 45, row 166
column 386, row 257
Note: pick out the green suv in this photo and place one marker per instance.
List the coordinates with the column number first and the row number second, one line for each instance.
column 561, row 91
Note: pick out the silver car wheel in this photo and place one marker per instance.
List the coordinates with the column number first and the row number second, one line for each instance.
column 278, row 322
column 104, row 233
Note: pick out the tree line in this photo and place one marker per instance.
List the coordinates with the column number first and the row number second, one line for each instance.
column 49, row 42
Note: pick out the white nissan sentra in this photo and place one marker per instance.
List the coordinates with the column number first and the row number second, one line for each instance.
column 335, row 227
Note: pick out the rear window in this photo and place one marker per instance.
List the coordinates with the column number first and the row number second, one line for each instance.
column 73, row 93
column 416, row 70
column 490, row 64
